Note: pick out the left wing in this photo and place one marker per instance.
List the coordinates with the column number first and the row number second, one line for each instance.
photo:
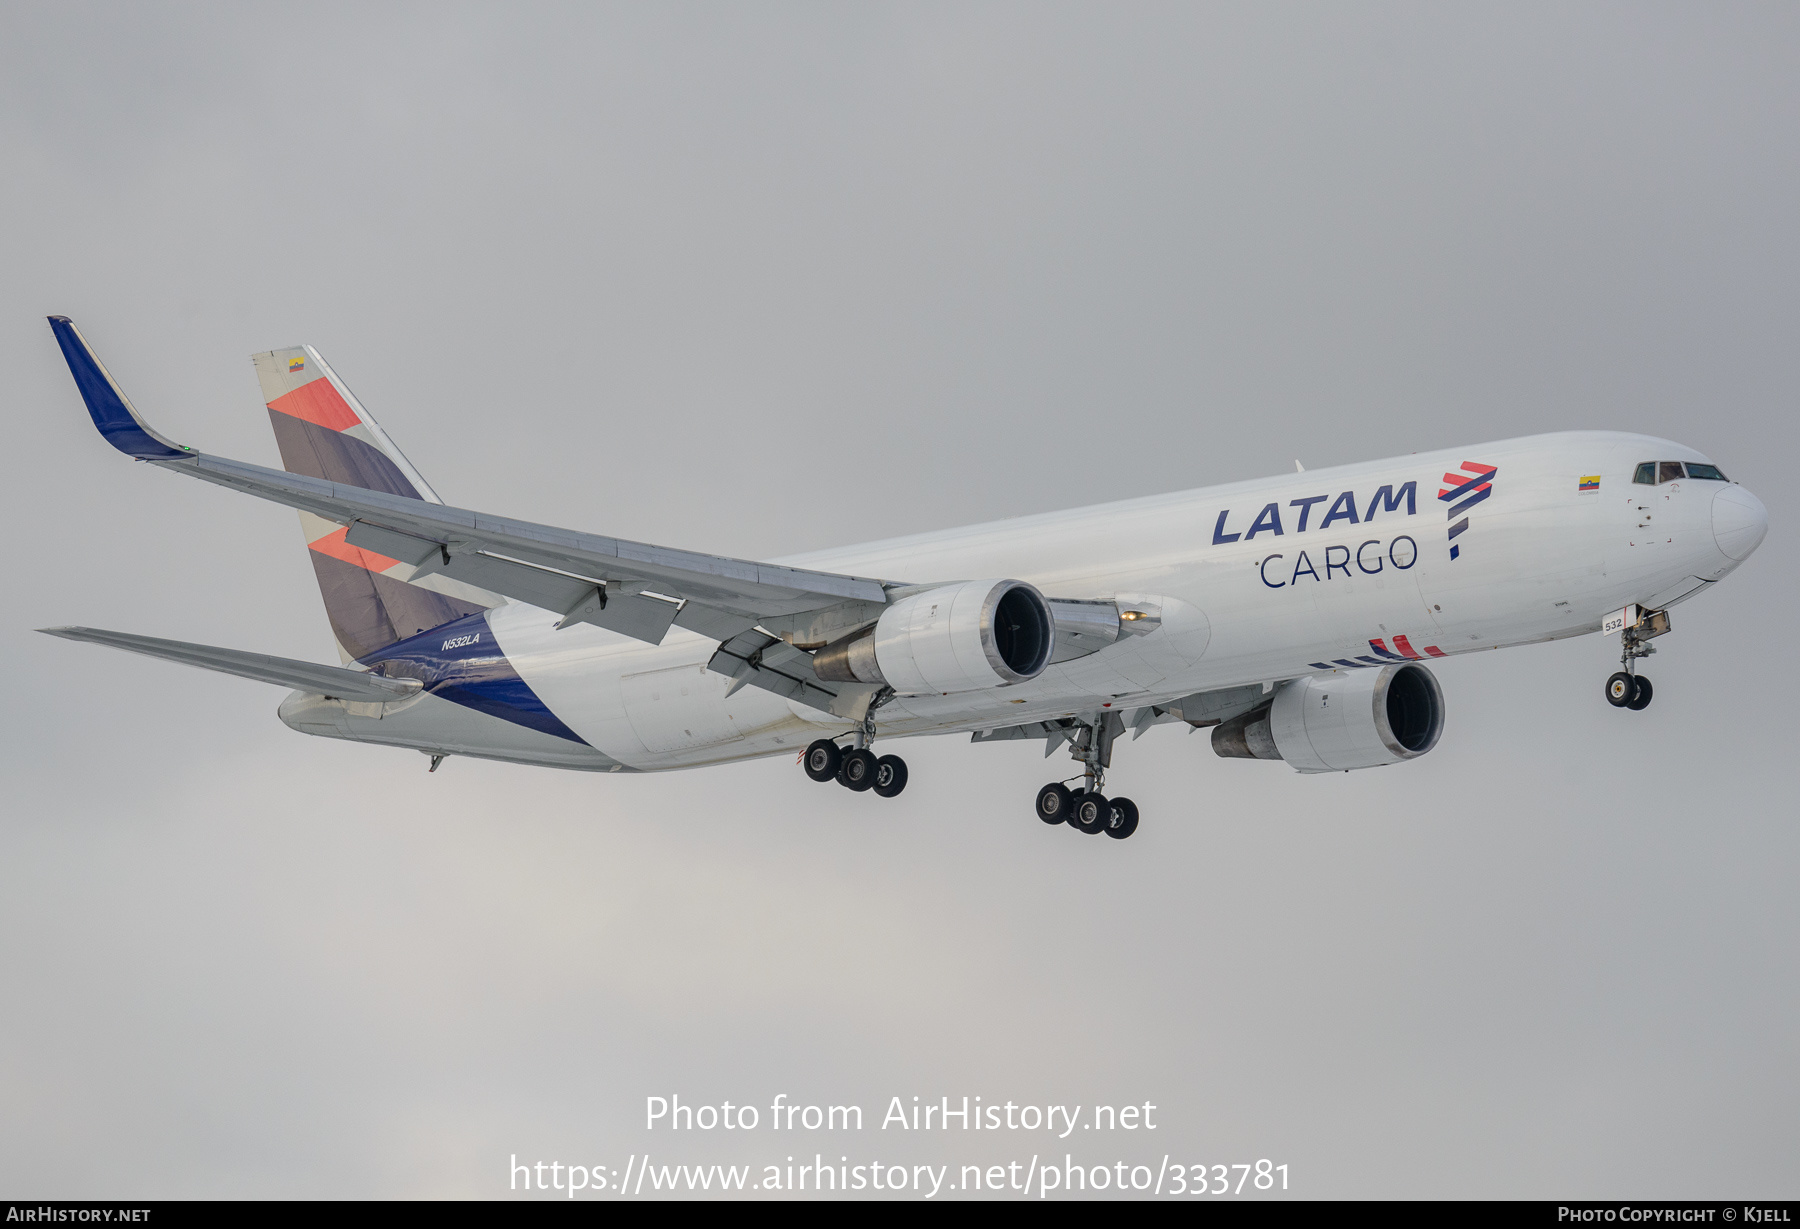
column 628, row 587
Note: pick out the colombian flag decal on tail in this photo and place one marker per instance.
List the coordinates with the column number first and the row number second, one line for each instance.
column 296, row 364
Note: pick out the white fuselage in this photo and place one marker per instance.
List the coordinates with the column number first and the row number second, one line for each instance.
column 1246, row 595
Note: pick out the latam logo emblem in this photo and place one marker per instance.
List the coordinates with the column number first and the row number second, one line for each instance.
column 296, row 364
column 1382, row 655
column 1462, row 492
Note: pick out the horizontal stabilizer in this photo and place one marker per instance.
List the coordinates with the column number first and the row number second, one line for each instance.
column 307, row 676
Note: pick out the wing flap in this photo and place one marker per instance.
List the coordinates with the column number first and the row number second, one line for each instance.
column 577, row 599
column 736, row 585
column 761, row 660
column 332, row 681
column 712, row 622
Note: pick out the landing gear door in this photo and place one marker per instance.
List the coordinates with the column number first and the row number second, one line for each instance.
column 1650, row 624
column 1636, row 622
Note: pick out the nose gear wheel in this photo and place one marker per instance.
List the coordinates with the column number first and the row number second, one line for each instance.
column 1619, row 689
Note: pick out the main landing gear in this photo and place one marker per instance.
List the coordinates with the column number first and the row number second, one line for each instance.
column 1087, row 809
column 857, row 769
column 1627, row 688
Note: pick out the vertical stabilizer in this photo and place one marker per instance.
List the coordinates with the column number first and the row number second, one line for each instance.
column 324, row 432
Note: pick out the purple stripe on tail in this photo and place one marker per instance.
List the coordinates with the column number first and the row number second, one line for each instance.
column 319, row 452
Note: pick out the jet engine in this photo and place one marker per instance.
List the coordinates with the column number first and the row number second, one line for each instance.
column 1335, row 722
column 958, row 637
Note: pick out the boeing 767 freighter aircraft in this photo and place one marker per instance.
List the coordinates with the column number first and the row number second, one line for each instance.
column 1292, row 615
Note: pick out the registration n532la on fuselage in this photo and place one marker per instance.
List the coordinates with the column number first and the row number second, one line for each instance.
column 1296, row 616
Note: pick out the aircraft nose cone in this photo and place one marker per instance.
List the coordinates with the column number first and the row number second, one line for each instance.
column 1739, row 521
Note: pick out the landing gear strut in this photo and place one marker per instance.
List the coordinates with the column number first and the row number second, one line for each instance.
column 1088, row 809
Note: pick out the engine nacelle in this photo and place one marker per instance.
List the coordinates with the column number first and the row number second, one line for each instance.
column 960, row 637
column 1334, row 722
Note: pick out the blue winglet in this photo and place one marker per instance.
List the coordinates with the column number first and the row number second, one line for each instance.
column 111, row 412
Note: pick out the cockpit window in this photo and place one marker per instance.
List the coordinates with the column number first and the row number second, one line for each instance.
column 1651, row 473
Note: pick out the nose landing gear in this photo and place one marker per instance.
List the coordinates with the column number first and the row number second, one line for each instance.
column 1627, row 688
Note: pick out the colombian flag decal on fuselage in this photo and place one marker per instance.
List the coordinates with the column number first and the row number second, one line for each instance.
column 1590, row 483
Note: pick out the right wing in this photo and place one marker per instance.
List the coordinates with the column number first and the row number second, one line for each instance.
column 334, row 681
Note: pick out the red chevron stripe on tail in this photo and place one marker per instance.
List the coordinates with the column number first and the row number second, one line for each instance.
column 333, row 544
column 319, row 403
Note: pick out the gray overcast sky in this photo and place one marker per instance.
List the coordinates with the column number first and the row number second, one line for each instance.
column 759, row 279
